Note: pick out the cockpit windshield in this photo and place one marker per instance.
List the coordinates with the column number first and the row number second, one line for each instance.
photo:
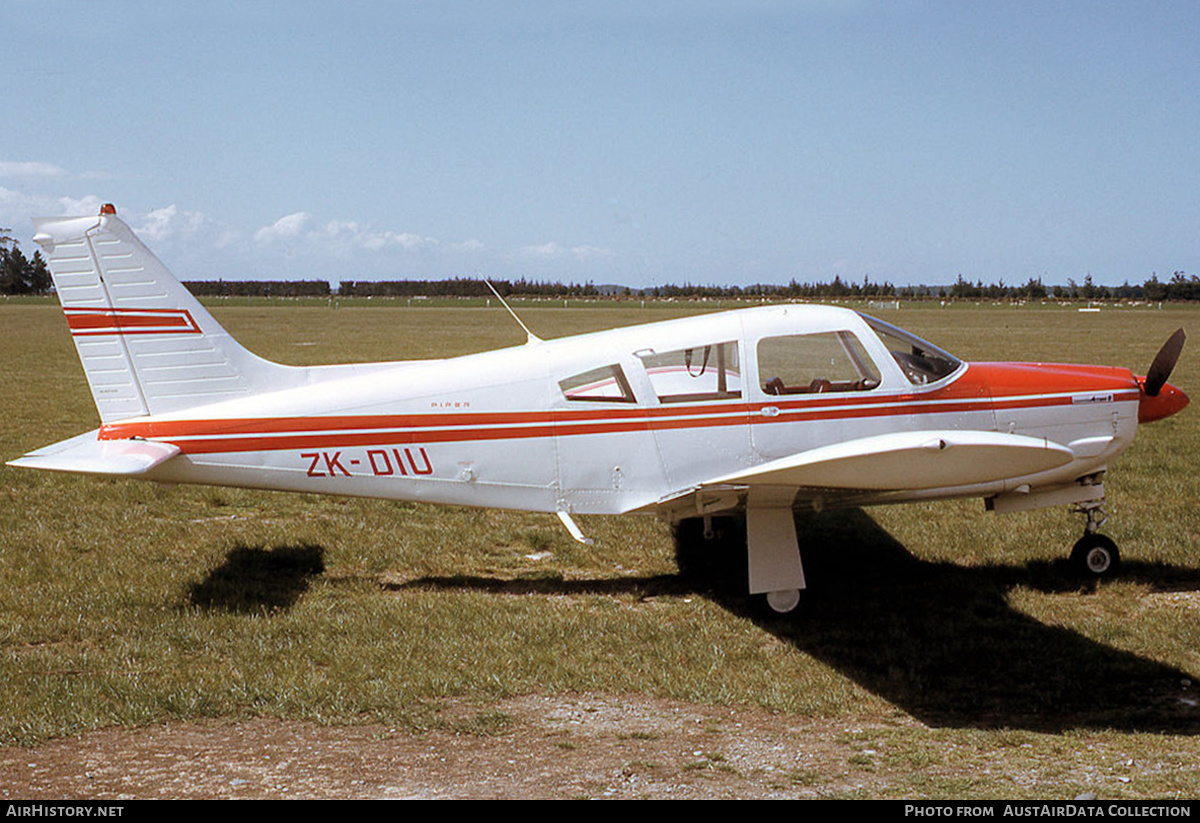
column 920, row 361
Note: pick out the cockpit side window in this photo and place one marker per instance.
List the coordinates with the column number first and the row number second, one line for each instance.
column 815, row 363
column 920, row 361
column 708, row 372
column 606, row 384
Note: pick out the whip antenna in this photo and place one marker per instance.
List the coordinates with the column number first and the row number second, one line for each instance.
column 530, row 337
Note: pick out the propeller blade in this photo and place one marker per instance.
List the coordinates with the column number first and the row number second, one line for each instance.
column 1163, row 363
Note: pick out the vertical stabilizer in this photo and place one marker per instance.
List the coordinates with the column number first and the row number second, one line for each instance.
column 147, row 345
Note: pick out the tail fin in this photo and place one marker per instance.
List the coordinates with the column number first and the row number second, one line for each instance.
column 147, row 345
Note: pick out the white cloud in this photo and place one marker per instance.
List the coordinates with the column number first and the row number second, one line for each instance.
column 11, row 200
column 339, row 237
column 286, row 227
column 545, row 250
column 196, row 246
column 156, row 224
column 69, row 206
column 351, row 234
column 226, row 237
column 168, row 223
column 557, row 251
column 9, row 168
column 17, row 207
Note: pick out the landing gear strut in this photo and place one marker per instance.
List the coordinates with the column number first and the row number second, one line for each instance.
column 1095, row 555
column 758, row 555
column 773, row 549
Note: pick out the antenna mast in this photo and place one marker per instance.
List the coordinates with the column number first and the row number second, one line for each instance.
column 530, row 337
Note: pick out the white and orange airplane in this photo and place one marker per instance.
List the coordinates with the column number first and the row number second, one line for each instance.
column 755, row 411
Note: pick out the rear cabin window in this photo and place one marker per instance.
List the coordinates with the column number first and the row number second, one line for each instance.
column 814, row 364
column 606, row 384
column 709, row 372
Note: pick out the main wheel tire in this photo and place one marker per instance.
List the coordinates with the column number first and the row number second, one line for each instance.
column 1096, row 556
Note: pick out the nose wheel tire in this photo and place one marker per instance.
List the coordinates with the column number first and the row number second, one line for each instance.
column 783, row 602
column 1095, row 556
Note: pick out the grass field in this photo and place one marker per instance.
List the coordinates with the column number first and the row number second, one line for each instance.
column 125, row 603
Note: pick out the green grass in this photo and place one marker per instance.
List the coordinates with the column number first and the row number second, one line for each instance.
column 129, row 603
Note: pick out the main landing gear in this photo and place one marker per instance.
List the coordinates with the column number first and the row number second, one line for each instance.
column 757, row 553
column 1095, row 555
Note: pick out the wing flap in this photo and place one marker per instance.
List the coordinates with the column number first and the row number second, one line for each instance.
column 908, row 461
column 89, row 455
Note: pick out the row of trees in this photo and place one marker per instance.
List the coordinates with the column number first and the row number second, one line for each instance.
column 22, row 275
column 19, row 274
column 1180, row 287
column 258, row 288
column 471, row 287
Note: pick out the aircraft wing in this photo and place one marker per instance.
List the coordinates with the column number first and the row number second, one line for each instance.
column 90, row 455
column 905, row 461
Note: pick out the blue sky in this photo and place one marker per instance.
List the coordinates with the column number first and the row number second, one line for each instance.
column 617, row 142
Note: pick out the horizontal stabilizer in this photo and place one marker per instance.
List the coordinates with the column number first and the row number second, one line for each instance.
column 89, row 455
column 908, row 461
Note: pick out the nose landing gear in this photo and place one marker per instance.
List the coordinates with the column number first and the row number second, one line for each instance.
column 1095, row 555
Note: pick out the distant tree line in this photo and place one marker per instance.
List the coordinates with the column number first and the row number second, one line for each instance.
column 258, row 288
column 464, row 287
column 22, row 275
column 791, row 291
column 19, row 274
column 1180, row 287
column 458, row 287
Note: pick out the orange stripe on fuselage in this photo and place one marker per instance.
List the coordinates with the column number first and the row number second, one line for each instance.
column 984, row 387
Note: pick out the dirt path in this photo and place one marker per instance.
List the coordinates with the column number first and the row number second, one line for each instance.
column 542, row 747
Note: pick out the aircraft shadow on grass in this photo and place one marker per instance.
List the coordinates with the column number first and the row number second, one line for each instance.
column 939, row 641
column 255, row 579
column 942, row 642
